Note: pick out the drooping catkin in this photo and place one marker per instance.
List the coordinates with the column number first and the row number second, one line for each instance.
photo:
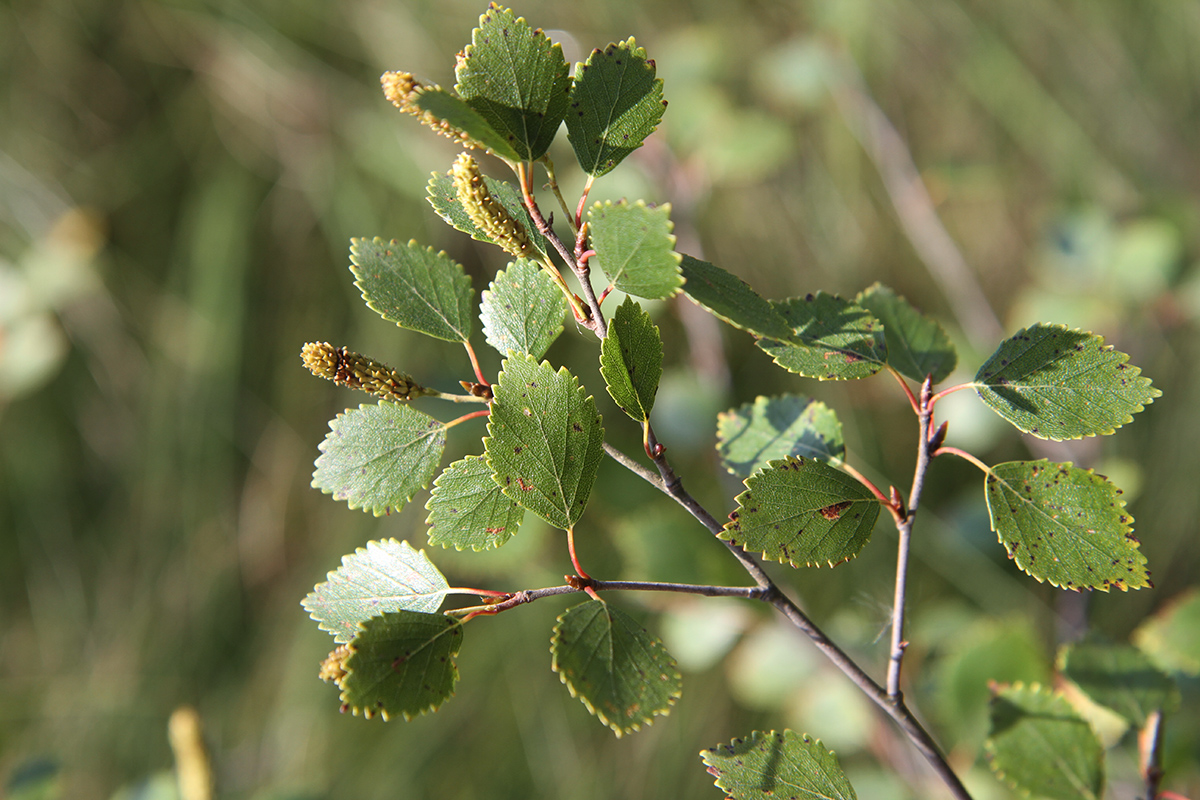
column 401, row 88
column 484, row 210
column 347, row 368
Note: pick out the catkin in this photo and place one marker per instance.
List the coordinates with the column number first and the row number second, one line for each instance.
column 347, row 368
column 488, row 215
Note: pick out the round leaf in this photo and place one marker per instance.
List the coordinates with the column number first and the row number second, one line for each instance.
column 631, row 360
column 771, row 428
column 1057, row 383
column 916, row 344
column 777, row 765
column 1065, row 525
column 621, row 673
column 830, row 339
column 468, row 510
column 522, row 310
column 802, row 512
column 376, row 457
column 635, row 248
column 414, row 287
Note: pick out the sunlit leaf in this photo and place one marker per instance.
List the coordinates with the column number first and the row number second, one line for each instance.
column 916, row 344
column 830, row 339
column 616, row 102
column 631, row 360
column 777, row 765
column 1119, row 677
column 1057, row 383
column 1065, row 525
column 544, row 440
column 414, row 287
column 1172, row 635
column 517, row 79
column 444, row 198
column 770, row 428
column 522, row 310
column 385, row 575
column 376, row 457
column 1038, row 744
column 731, row 299
column 802, row 512
column 635, row 248
column 468, row 510
column 401, row 664
column 622, row 674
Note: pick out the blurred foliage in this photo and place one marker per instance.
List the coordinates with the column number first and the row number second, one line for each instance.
column 178, row 184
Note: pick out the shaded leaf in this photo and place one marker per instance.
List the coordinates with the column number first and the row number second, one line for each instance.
column 635, row 248
column 631, row 360
column 731, row 299
column 454, row 111
column 385, row 575
column 1172, row 635
column 777, row 765
column 802, row 512
column 1057, row 383
column 468, row 510
column 522, row 310
column 414, row 287
column 1119, row 677
column 615, row 103
column 544, row 440
column 401, row 663
column 1065, row 525
column 622, row 674
column 830, row 339
column 376, row 457
column 444, row 198
column 751, row 436
column 517, row 79
column 916, row 344
column 1038, row 744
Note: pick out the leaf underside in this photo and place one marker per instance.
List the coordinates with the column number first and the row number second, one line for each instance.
column 414, row 287
column 631, row 360
column 522, row 310
column 830, row 339
column 468, row 510
column 917, row 345
column 777, row 765
column 751, row 436
column 634, row 246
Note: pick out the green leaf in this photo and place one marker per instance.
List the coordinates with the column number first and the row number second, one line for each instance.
column 635, row 248
column 771, row 428
column 802, row 512
column 622, row 674
column 522, row 310
column 376, row 457
column 631, row 360
column 731, row 299
column 517, row 79
column 1057, row 383
column 1120, row 677
column 402, row 663
column 467, row 508
column 544, row 440
column 384, row 576
column 916, row 344
column 1038, row 744
column 615, row 103
column 777, row 765
column 1172, row 635
column 414, row 287
column 830, row 339
column 1065, row 525
column 444, row 198
column 455, row 112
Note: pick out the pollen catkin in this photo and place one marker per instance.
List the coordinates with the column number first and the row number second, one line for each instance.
column 488, row 215
column 333, row 668
column 347, row 368
column 401, row 88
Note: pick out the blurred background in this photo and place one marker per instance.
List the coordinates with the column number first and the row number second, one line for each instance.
column 178, row 184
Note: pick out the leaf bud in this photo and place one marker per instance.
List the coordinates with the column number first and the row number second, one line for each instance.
column 488, row 215
column 347, row 368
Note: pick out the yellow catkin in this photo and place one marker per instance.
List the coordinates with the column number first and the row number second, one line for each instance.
column 488, row 215
column 401, row 89
column 347, row 368
column 333, row 668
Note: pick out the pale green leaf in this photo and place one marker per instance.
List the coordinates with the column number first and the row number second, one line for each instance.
column 731, row 299
column 414, row 287
column 455, row 112
column 916, row 344
column 1057, row 383
column 631, row 360
column 544, row 440
column 1119, row 677
column 376, row 457
column 444, row 198
column 385, row 575
column 468, row 510
column 1172, row 635
column 616, row 102
column 830, row 339
column 635, row 248
column 771, row 428
column 777, row 765
column 619, row 670
column 1038, row 744
column 522, row 310
column 401, row 664
column 517, row 79
column 802, row 512
column 1065, row 525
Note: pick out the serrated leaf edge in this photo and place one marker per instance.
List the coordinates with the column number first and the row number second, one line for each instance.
column 805, row 739
column 605, row 205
